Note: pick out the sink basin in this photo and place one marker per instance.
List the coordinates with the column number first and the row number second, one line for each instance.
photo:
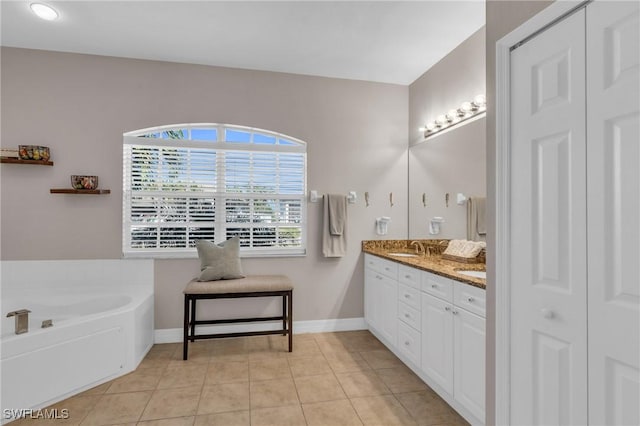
column 403, row 254
column 475, row 274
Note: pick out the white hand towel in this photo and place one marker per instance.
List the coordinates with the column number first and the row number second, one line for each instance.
column 337, row 213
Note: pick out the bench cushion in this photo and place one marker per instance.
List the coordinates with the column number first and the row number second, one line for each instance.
column 249, row 284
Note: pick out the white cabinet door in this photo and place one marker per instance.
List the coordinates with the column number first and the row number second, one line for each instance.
column 370, row 288
column 437, row 341
column 469, row 350
column 387, row 308
column 613, row 194
column 547, row 226
column 381, row 304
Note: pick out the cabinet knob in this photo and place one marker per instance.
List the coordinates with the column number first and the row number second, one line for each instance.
column 386, row 269
column 407, row 316
column 407, row 296
column 547, row 313
column 407, row 276
column 470, row 300
column 454, row 312
column 378, row 277
column 406, row 343
column 434, row 285
column 447, row 308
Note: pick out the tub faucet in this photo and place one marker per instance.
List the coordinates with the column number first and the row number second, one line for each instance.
column 419, row 247
column 22, row 320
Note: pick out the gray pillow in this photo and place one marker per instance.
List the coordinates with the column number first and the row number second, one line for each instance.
column 219, row 261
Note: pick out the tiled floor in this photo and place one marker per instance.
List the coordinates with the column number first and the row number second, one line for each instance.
column 330, row 379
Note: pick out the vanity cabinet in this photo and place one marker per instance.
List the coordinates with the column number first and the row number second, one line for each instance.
column 381, row 292
column 453, row 339
column 436, row 325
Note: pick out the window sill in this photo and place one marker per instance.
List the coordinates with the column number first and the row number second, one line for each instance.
column 194, row 255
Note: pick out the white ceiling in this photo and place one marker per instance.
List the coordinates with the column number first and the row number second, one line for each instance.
column 384, row 41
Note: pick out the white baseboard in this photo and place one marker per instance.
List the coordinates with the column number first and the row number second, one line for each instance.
column 174, row 335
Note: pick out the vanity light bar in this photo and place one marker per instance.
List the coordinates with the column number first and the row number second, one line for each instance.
column 466, row 111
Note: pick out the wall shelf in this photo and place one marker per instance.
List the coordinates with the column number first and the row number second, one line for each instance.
column 80, row 191
column 13, row 160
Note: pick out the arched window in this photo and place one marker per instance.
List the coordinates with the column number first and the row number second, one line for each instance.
column 182, row 183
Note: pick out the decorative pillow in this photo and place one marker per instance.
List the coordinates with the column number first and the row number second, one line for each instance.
column 219, row 261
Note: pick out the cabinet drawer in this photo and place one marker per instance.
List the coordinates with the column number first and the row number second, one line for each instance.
column 382, row 266
column 409, row 276
column 409, row 342
column 409, row 315
column 437, row 286
column 409, row 296
column 471, row 298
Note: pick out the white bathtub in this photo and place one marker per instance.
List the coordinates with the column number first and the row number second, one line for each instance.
column 102, row 313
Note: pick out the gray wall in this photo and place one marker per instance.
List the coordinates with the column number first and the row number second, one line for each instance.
column 451, row 162
column 502, row 18
column 80, row 105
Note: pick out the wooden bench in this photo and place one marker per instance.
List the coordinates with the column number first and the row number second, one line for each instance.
column 251, row 286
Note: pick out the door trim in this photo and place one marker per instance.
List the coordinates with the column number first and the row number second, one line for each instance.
column 502, row 375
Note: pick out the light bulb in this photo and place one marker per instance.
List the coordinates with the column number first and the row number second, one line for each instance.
column 44, row 11
column 480, row 100
column 466, row 107
column 431, row 126
column 441, row 120
column 452, row 115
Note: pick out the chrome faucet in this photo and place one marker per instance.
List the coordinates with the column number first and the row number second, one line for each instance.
column 419, row 247
column 22, row 320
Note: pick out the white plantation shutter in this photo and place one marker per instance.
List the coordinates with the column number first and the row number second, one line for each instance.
column 178, row 190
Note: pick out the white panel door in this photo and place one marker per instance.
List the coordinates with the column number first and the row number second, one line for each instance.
column 437, row 341
column 613, row 194
column 547, row 227
column 468, row 367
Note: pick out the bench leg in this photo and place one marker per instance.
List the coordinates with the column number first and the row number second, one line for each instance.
column 284, row 315
column 193, row 319
column 290, row 319
column 185, row 331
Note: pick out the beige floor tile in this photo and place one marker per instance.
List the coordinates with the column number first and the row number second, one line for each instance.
column 324, row 387
column 304, row 346
column 267, row 369
column 164, row 403
column 309, row 366
column 330, row 343
column 361, row 342
column 155, row 362
column 69, row 412
column 362, row 383
column 138, row 380
column 164, row 348
column 175, row 421
column 199, row 352
column 224, row 397
column 235, row 418
column 333, row 413
column 183, row 376
column 233, row 346
column 346, row 362
column 401, row 379
column 98, row 390
column 227, row 372
column 428, row 409
column 261, row 344
column 273, row 393
column 381, row 359
column 290, row 415
column 382, row 410
column 118, row 408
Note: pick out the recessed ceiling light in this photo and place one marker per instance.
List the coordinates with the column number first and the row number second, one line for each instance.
column 44, row 11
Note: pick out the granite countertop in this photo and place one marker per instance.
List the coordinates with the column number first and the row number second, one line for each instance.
column 431, row 263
